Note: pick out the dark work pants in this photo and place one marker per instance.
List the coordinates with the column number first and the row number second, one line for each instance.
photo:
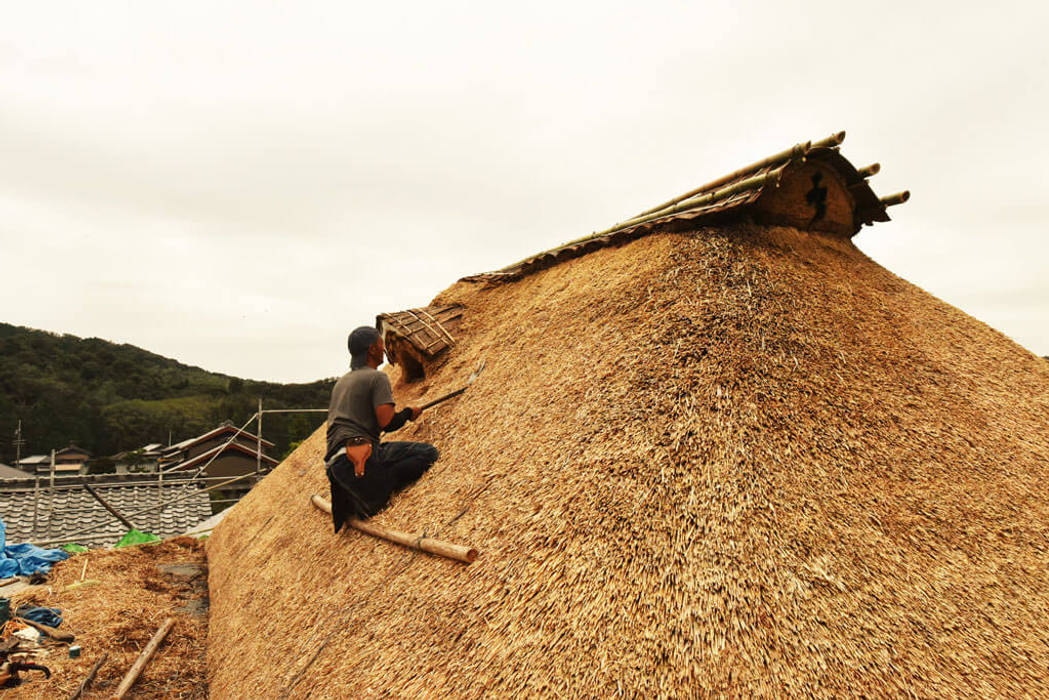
column 391, row 467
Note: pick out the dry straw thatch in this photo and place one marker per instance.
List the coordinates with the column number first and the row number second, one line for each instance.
column 742, row 460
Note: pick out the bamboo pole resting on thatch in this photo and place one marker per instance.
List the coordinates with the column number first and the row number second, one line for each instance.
column 421, row 542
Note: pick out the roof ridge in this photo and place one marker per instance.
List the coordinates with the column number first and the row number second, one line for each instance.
column 731, row 192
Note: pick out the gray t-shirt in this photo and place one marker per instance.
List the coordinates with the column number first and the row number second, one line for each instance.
column 351, row 412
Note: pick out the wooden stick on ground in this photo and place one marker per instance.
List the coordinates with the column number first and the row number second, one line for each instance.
column 425, row 544
column 86, row 683
column 143, row 659
column 48, row 630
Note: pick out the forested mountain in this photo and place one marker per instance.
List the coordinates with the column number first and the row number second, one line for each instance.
column 107, row 397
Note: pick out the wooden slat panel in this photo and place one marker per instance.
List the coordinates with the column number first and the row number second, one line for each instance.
column 429, row 330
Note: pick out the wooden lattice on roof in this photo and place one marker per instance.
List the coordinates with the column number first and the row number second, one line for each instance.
column 810, row 186
column 415, row 336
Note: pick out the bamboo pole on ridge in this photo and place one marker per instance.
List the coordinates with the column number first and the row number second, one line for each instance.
column 685, row 201
column 748, row 184
column 796, row 151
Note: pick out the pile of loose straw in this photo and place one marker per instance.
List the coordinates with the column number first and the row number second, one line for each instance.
column 739, row 460
column 118, row 616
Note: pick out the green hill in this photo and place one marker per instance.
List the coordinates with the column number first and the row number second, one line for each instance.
column 107, row 397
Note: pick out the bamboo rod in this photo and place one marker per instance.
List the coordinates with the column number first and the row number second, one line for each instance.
column 420, row 542
column 178, row 481
column 116, row 513
column 831, row 141
column 748, row 184
column 440, row 326
column 296, row 410
column 898, row 198
column 78, row 539
column 870, row 170
column 86, row 683
column 143, row 659
column 791, row 153
column 258, row 439
column 425, row 326
column 742, row 186
column 393, row 320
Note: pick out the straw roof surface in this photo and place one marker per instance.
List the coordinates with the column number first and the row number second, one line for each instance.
column 742, row 460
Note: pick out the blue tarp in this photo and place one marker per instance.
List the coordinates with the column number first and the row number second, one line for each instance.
column 25, row 559
column 52, row 617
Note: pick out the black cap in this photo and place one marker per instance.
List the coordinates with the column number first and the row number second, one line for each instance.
column 358, row 343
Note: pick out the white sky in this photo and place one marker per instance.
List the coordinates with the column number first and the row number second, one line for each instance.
column 236, row 185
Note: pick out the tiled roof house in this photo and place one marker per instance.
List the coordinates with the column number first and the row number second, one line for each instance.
column 68, row 512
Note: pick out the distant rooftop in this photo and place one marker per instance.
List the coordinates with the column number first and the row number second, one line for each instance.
column 7, row 472
column 69, row 509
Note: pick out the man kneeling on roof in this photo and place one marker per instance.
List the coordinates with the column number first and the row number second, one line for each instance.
column 363, row 472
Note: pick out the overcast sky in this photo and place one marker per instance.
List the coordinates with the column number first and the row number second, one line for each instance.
column 235, row 185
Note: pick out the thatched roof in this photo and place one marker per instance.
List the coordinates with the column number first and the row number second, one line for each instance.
column 741, row 459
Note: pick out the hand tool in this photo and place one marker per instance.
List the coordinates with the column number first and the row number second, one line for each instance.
column 472, row 378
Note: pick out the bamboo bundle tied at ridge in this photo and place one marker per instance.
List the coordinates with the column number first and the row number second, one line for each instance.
column 701, row 196
column 744, row 186
column 793, row 153
column 752, row 183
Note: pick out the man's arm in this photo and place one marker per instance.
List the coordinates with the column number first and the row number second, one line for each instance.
column 390, row 421
column 384, row 414
column 382, row 400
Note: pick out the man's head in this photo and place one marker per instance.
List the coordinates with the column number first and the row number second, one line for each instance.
column 366, row 347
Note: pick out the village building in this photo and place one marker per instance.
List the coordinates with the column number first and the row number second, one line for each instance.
column 69, row 461
column 144, row 460
column 221, row 452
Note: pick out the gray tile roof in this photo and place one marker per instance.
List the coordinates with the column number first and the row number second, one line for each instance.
column 7, row 472
column 70, row 508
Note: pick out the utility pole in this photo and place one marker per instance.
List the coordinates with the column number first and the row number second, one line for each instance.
column 258, row 446
column 18, row 443
column 36, row 472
